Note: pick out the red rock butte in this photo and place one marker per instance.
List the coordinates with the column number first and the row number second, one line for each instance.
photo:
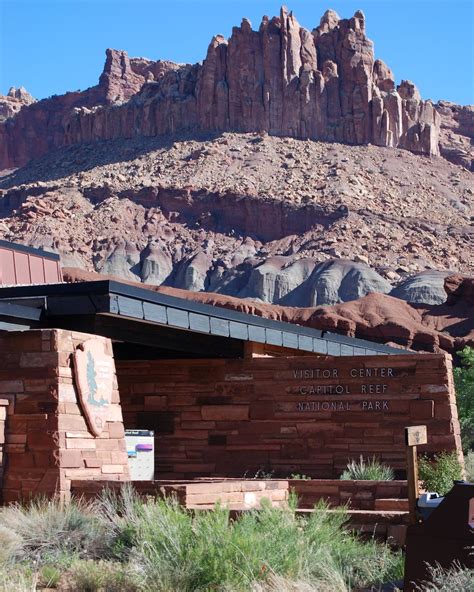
column 283, row 79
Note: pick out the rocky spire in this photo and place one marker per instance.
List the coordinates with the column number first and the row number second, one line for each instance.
column 118, row 81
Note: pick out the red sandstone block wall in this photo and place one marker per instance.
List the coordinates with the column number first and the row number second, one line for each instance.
column 234, row 494
column 236, row 417
column 356, row 495
column 48, row 442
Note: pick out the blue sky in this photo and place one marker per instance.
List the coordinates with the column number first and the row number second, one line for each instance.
column 51, row 46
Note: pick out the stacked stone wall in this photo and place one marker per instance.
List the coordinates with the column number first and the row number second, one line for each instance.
column 235, row 418
column 356, row 495
column 48, row 442
column 234, row 494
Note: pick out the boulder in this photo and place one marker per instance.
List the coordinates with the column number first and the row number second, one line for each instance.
column 191, row 274
column 276, row 278
column 156, row 265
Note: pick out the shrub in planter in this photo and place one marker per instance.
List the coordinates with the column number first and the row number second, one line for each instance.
column 370, row 470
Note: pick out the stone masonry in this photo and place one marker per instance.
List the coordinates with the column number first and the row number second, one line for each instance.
column 238, row 417
column 48, row 442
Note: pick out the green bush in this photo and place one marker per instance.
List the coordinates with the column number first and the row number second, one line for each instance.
column 178, row 551
column 370, row 470
column 101, row 576
column 469, row 465
column 49, row 576
column 464, row 381
column 209, row 551
column 438, row 473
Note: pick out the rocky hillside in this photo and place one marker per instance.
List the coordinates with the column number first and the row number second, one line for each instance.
column 280, row 220
column 456, row 141
column 283, row 79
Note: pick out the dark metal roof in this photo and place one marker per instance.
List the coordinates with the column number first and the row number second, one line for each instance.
column 14, row 317
column 114, row 299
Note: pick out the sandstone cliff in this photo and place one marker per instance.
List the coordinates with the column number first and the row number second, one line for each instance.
column 283, row 79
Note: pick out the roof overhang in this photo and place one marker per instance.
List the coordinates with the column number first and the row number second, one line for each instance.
column 141, row 316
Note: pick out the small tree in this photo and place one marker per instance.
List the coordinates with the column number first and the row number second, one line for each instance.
column 438, row 473
column 464, row 381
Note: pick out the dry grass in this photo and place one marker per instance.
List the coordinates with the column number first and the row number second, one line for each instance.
column 122, row 544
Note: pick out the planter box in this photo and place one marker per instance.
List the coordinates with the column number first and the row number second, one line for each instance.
column 199, row 494
column 357, row 495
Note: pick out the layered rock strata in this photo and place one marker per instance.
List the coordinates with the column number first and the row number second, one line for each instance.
column 42, row 126
column 282, row 79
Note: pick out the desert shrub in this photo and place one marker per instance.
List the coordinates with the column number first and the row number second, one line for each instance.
column 464, row 381
column 122, row 543
column 438, row 473
column 264, row 474
column 179, row 551
column 49, row 576
column 100, row 576
column 370, row 470
column 10, row 543
column 48, row 532
column 456, row 579
column 17, row 579
column 332, row 582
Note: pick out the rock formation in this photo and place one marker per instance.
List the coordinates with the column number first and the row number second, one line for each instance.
column 457, row 133
column 282, row 79
column 43, row 125
column 423, row 288
column 11, row 104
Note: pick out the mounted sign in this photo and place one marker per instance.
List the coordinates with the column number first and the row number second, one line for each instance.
column 416, row 435
column 94, row 374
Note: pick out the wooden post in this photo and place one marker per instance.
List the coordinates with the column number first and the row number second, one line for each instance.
column 414, row 435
